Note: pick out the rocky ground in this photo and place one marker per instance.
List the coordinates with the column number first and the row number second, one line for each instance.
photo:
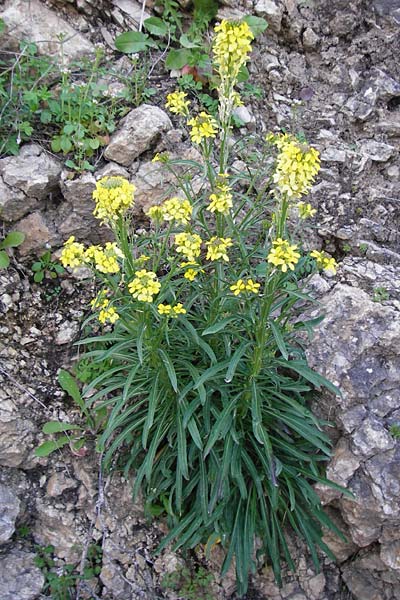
column 329, row 69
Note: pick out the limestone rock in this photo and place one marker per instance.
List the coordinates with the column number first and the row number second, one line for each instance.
column 272, row 11
column 35, row 22
column 357, row 347
column 153, row 181
column 75, row 216
column 25, row 180
column 59, row 528
column 137, row 132
column 37, row 233
column 17, row 432
column 377, row 151
column 9, row 511
column 20, row 578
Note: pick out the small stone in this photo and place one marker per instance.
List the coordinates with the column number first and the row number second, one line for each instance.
column 37, row 23
column 9, row 511
column 37, row 233
column 332, row 154
column 20, row 578
column 371, row 437
column 243, row 113
column 58, row 483
column 67, row 333
column 138, row 131
column 393, row 172
column 310, row 39
column 390, row 555
column 376, row 151
column 271, row 11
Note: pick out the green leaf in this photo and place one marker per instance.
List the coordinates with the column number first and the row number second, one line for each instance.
column 50, row 446
column 131, row 42
column 177, row 59
column 185, row 42
column 65, row 144
column 257, row 24
column 169, row 368
column 69, row 385
column 218, row 326
column 316, row 379
column 13, row 239
column 4, row 260
column 94, row 143
column 56, row 144
column 38, row 276
column 58, row 426
column 280, row 342
column 37, row 266
column 233, row 363
column 156, row 26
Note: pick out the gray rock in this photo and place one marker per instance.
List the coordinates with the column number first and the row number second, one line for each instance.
column 35, row 22
column 137, row 132
column 25, row 180
column 371, row 437
column 390, row 555
column 271, row 11
column 20, row 578
column 67, row 332
column 75, row 216
column 376, row 151
column 37, row 233
column 9, row 511
column 17, row 432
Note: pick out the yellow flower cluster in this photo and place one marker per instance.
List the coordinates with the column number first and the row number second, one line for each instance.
column 203, row 126
column 177, row 209
column 297, row 166
column 177, row 103
column 113, row 196
column 155, row 213
column 232, row 44
column 106, row 312
column 73, row 254
column 171, row 311
column 305, row 210
column 217, row 247
column 188, row 244
column 243, row 285
column 104, row 259
column 283, row 255
column 324, row 261
column 144, row 285
column 192, row 269
column 221, row 200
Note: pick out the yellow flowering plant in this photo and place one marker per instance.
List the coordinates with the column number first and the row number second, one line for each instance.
column 207, row 397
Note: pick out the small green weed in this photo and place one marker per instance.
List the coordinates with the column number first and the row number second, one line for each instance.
column 395, row 430
column 190, row 586
column 23, row 531
column 380, row 294
column 346, row 248
column 12, row 240
column 363, row 248
column 61, row 582
column 69, row 433
column 46, row 268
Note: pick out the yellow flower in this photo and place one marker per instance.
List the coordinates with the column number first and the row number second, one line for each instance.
column 164, row 309
column 106, row 312
column 171, row 311
column 73, row 253
column 283, row 255
column 217, row 247
column 177, row 209
column 192, row 271
column 297, row 166
column 155, row 213
column 188, row 244
column 144, row 286
column 244, row 286
column 113, row 197
column 221, row 200
column 162, row 157
column 177, row 103
column 105, row 259
column 324, row 261
column 203, row 126
column 231, row 47
column 305, row 210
